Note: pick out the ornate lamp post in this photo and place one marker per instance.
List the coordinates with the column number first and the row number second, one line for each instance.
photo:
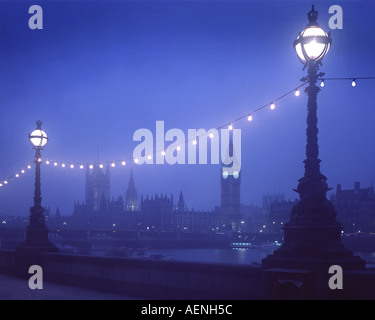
column 311, row 46
column 37, row 233
column 312, row 238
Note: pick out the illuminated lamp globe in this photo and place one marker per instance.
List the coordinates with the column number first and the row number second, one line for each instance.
column 38, row 137
column 313, row 42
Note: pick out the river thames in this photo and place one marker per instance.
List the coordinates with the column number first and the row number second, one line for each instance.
column 249, row 256
column 227, row 255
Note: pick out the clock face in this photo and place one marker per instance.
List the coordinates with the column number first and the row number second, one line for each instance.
column 225, row 174
column 236, row 174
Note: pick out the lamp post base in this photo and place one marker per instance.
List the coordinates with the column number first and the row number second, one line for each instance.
column 28, row 252
column 308, row 250
column 313, row 243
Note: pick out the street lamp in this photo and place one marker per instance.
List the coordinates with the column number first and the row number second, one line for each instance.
column 38, row 139
column 312, row 237
column 311, row 45
column 37, row 233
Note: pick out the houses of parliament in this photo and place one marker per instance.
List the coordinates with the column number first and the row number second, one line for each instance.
column 160, row 212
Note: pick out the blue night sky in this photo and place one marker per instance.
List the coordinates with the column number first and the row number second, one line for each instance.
column 100, row 70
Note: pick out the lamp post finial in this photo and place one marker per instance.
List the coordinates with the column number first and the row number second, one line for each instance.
column 312, row 15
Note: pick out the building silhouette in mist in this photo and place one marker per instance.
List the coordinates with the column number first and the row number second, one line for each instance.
column 278, row 213
column 270, row 199
column 97, row 189
column 355, row 208
column 131, row 196
column 99, row 211
column 159, row 212
column 154, row 213
column 230, row 206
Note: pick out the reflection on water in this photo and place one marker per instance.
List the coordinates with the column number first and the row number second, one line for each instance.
column 232, row 256
column 224, row 255
column 228, row 256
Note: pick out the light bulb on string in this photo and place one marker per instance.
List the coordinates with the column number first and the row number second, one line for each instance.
column 178, row 148
column 101, row 166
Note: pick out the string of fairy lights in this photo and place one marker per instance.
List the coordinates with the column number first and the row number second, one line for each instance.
column 123, row 162
column 353, row 80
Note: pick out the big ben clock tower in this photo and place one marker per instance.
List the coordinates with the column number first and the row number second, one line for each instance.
column 230, row 189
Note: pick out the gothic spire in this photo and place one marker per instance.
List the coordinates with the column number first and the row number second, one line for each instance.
column 131, row 194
